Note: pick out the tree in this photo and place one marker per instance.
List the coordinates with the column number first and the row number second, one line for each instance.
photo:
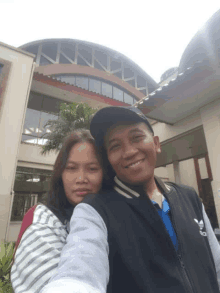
column 71, row 116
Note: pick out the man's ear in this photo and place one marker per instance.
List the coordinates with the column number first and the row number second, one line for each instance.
column 157, row 144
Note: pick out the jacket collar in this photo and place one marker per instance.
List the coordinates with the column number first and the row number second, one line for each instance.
column 130, row 191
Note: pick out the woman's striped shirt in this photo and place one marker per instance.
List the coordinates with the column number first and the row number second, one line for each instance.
column 37, row 256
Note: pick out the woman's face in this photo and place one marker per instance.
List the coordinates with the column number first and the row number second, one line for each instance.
column 83, row 173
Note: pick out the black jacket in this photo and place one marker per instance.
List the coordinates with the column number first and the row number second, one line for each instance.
column 142, row 257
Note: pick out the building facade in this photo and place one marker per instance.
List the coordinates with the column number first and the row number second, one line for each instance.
column 65, row 71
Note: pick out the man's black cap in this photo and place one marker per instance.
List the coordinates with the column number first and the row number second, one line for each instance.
column 105, row 118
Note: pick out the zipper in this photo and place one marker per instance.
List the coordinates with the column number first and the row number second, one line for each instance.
column 185, row 273
column 182, row 265
column 182, row 269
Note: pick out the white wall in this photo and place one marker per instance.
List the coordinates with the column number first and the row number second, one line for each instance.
column 13, row 231
column 31, row 153
column 188, row 174
column 166, row 131
column 12, row 119
column 161, row 172
column 186, row 171
column 165, row 172
column 210, row 115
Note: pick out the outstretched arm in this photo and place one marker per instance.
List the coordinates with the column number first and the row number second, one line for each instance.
column 83, row 265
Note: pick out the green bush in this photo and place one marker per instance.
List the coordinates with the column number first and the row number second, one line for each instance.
column 6, row 255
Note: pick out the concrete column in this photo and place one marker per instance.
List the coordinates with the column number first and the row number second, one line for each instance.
column 210, row 115
column 12, row 113
column 176, row 169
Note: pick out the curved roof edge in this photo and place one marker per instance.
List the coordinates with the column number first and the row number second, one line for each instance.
column 116, row 53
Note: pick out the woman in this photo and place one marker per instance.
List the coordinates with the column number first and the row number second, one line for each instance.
column 77, row 172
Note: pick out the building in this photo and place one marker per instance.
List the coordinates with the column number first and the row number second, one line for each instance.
column 184, row 110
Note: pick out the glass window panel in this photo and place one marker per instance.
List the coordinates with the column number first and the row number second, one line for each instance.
column 18, row 209
column 82, row 82
column 117, row 94
column 102, row 57
column 42, row 141
column 43, row 178
column 95, row 86
column 64, row 60
column 22, row 176
column 50, row 49
column 44, row 61
column 86, row 52
column 24, row 170
column 68, row 79
column 51, row 105
column 35, row 101
column 31, row 123
column 68, row 50
column 45, row 117
column 128, row 99
column 42, row 171
column 29, row 139
column 106, row 90
column 36, row 178
column 81, row 61
column 31, row 186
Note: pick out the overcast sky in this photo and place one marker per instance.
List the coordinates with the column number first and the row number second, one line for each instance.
column 152, row 33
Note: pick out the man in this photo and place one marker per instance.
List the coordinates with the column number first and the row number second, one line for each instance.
column 142, row 235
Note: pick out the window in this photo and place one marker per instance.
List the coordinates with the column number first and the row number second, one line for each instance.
column 82, row 82
column 44, row 61
column 106, row 90
column 128, row 99
column 35, row 101
column 51, row 105
column 40, row 110
column 31, row 123
column 68, row 79
column 31, row 186
column 117, row 94
column 95, row 86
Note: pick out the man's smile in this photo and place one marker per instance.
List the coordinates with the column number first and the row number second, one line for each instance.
column 134, row 164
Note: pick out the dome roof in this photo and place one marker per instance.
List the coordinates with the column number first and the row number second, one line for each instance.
column 204, row 45
column 70, row 51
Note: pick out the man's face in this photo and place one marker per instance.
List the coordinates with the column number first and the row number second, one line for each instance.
column 132, row 152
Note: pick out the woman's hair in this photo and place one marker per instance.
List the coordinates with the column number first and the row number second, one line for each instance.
column 57, row 200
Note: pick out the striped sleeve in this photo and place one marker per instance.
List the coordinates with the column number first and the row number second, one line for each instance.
column 83, row 266
column 214, row 244
column 38, row 253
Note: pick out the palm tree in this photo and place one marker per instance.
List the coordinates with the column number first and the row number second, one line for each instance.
column 71, row 116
